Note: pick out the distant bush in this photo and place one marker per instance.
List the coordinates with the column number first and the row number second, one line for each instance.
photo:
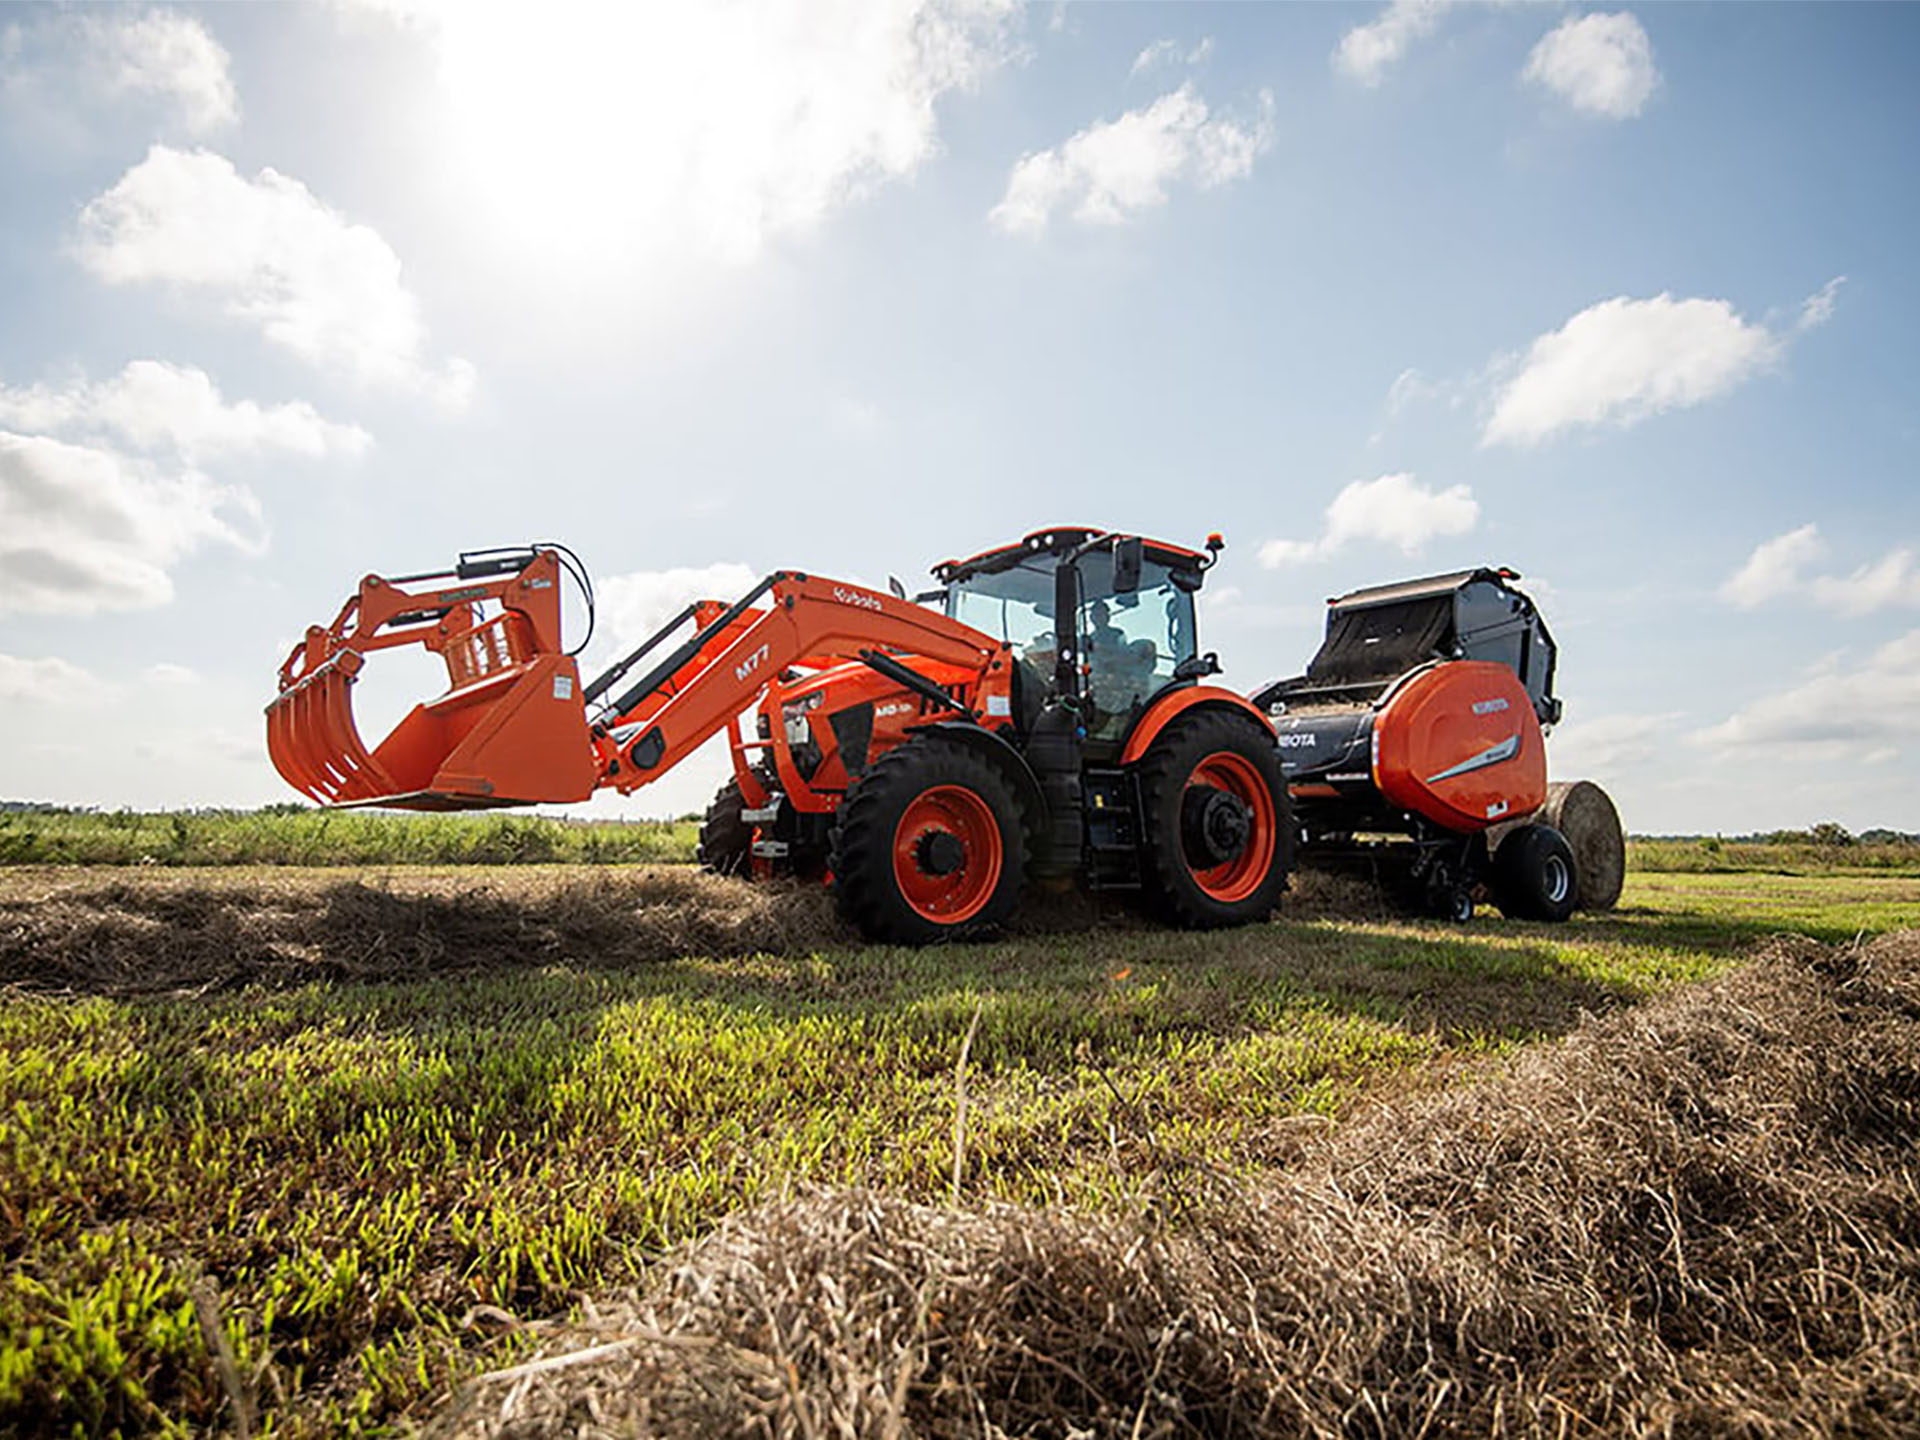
column 297, row 835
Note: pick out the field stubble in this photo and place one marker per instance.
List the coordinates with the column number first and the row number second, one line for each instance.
column 392, row 1121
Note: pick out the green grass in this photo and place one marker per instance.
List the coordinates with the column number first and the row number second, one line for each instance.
column 1714, row 856
column 358, row 1167
column 289, row 836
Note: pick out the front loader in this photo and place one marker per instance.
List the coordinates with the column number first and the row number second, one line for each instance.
column 1040, row 716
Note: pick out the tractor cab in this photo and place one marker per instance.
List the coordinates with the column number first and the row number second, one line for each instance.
column 1131, row 633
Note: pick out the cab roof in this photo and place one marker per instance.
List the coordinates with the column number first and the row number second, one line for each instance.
column 1058, row 540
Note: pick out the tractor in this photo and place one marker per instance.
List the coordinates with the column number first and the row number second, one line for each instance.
column 1041, row 717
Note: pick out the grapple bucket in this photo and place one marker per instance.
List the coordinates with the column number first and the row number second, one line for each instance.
column 511, row 728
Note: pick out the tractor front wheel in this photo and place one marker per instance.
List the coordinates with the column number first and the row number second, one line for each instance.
column 1214, row 814
column 929, row 845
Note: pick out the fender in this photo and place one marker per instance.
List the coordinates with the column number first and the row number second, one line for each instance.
column 996, row 750
column 1148, row 727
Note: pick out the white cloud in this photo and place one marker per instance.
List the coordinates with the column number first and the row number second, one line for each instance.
column 1393, row 510
column 1167, row 53
column 60, row 70
column 1817, row 308
column 84, row 529
column 701, row 130
column 165, row 672
column 272, row 254
column 634, row 605
column 1602, row 64
column 1115, row 168
column 1774, row 568
column 153, row 406
column 1871, row 704
column 1622, row 360
column 1892, row 580
column 48, row 681
column 1609, row 745
column 1367, row 51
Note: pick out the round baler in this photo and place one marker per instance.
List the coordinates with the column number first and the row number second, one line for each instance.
column 1418, row 728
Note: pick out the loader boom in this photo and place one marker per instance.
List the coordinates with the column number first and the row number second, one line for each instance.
column 513, row 728
column 812, row 622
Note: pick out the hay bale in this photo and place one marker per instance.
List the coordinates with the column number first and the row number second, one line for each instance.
column 1584, row 813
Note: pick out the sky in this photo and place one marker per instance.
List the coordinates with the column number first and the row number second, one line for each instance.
column 1621, row 298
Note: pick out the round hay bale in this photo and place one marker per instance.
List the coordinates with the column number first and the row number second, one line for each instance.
column 1584, row 813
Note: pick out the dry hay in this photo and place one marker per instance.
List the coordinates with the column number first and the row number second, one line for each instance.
column 138, row 936
column 1695, row 1218
column 165, row 932
column 1584, row 813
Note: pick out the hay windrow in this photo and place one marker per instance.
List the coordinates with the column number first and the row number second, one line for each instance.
column 138, row 937
column 162, row 932
column 1700, row 1216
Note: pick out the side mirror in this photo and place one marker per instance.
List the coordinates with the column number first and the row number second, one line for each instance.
column 899, row 590
column 1127, row 557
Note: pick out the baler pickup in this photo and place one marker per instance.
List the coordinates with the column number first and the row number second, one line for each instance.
column 511, row 728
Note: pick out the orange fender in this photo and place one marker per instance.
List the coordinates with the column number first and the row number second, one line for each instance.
column 1148, row 727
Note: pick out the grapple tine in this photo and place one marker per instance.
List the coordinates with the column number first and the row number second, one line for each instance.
column 311, row 753
column 362, row 776
column 282, row 750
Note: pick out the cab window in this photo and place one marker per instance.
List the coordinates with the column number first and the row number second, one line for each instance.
column 1132, row 644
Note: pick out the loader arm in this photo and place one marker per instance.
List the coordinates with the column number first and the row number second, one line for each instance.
column 513, row 726
column 811, row 622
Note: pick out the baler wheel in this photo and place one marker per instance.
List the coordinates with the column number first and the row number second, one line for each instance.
column 1217, row 834
column 1534, row 877
column 929, row 845
column 1585, row 814
column 726, row 841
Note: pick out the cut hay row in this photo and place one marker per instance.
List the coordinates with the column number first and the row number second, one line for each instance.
column 1700, row 1216
column 158, row 933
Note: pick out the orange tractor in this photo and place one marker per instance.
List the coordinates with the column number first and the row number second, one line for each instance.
column 1043, row 715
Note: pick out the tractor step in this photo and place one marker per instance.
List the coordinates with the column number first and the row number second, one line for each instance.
column 765, row 815
column 770, row 849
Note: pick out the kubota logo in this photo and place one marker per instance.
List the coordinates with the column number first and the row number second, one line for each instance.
column 1489, row 707
column 750, row 664
column 854, row 597
column 1296, row 740
column 885, row 710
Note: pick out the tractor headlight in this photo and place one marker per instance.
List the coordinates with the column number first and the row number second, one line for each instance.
column 794, row 713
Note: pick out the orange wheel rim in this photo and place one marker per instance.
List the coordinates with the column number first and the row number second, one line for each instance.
column 1236, row 879
column 924, row 849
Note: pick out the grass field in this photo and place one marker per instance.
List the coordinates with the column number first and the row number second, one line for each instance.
column 373, row 1120
column 296, row 836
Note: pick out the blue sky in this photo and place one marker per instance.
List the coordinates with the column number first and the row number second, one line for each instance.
column 1621, row 298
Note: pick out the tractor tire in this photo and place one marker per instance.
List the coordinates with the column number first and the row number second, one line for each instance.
column 726, row 841
column 1212, row 861
column 1534, row 876
column 929, row 845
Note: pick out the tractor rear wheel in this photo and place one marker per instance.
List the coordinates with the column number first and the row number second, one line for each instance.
column 726, row 841
column 929, row 845
column 1534, row 876
column 1214, row 821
